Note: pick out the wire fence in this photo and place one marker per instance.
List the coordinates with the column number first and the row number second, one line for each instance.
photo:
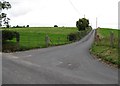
column 39, row 40
column 31, row 40
column 110, row 41
column 35, row 40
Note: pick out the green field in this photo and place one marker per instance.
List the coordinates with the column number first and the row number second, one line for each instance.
column 34, row 37
column 103, row 49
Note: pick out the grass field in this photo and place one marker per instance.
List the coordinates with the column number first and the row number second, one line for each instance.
column 103, row 49
column 34, row 37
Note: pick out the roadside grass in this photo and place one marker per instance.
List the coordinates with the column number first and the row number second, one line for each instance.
column 34, row 37
column 103, row 49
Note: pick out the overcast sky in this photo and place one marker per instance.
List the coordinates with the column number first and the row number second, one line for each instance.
column 63, row 12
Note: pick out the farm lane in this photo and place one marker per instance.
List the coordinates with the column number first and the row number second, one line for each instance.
column 67, row 64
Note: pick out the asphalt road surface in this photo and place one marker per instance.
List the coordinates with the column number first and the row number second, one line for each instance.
column 67, row 64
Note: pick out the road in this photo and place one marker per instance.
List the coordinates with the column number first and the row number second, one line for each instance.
column 67, row 64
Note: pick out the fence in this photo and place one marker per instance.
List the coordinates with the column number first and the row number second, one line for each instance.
column 110, row 41
column 40, row 40
column 30, row 40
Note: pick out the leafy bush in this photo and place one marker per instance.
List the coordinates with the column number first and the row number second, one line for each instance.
column 55, row 26
column 27, row 26
column 74, row 36
column 78, row 35
column 9, row 35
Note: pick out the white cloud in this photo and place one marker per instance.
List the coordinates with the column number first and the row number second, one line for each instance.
column 63, row 12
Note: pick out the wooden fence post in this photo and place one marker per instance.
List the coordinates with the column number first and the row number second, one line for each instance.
column 17, row 40
column 39, row 40
column 58, row 40
column 17, row 45
column 47, row 40
column 97, row 38
column 28, row 40
column 111, row 39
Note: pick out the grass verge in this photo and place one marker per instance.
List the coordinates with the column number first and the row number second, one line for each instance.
column 103, row 50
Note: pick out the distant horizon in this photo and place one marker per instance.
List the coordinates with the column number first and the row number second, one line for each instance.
column 61, row 27
column 63, row 12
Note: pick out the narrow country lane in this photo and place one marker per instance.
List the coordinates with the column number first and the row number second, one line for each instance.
column 67, row 64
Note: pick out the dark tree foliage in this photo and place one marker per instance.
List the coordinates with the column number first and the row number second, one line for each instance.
column 27, row 26
column 82, row 24
column 73, row 37
column 55, row 26
column 4, row 5
column 9, row 35
column 3, row 16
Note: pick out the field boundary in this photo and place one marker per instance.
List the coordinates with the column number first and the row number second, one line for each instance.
column 34, row 38
column 105, row 47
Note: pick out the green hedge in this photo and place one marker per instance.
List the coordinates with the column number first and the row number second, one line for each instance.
column 74, row 36
column 78, row 35
column 9, row 35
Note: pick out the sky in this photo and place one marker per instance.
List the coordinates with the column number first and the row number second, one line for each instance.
column 63, row 12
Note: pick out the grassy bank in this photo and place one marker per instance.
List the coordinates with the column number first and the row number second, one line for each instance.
column 103, row 49
column 34, row 37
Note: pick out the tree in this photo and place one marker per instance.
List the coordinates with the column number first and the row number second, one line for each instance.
column 27, row 26
column 3, row 16
column 55, row 26
column 82, row 24
column 6, row 22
